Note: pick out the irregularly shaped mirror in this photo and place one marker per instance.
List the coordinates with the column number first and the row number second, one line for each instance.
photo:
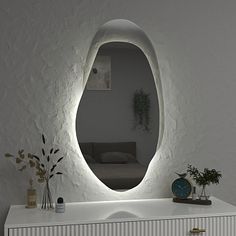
column 117, row 122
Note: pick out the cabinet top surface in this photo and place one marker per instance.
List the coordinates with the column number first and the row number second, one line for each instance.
column 115, row 211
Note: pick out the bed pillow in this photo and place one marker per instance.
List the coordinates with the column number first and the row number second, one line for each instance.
column 116, row 157
column 88, row 158
column 131, row 157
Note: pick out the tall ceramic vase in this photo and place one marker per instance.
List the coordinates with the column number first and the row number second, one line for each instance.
column 47, row 202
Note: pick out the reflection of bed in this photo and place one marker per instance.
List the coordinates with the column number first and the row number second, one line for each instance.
column 115, row 164
column 119, row 176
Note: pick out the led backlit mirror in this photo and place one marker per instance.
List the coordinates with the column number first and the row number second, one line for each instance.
column 117, row 122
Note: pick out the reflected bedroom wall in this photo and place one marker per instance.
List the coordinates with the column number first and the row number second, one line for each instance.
column 107, row 115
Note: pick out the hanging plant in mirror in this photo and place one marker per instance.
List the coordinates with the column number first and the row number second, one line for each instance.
column 141, row 107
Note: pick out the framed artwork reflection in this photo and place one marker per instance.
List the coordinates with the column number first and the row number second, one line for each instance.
column 100, row 74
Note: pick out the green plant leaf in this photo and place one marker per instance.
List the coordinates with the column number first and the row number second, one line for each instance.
column 18, row 160
column 30, row 156
column 32, row 163
column 22, row 168
column 20, row 151
column 8, row 155
column 40, row 180
column 205, row 177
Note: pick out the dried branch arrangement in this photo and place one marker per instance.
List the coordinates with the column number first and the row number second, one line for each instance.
column 45, row 167
column 22, row 160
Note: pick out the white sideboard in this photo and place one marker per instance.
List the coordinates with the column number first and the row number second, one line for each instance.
column 150, row 217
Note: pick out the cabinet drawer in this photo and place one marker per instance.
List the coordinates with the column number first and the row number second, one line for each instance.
column 214, row 226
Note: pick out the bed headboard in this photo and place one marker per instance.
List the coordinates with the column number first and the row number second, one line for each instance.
column 95, row 149
column 127, row 147
column 86, row 148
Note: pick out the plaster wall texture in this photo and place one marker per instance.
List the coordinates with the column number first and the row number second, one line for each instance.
column 43, row 49
column 107, row 116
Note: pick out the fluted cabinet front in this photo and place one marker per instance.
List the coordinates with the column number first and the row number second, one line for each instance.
column 205, row 226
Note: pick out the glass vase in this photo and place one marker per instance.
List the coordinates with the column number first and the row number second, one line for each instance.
column 47, row 202
column 203, row 195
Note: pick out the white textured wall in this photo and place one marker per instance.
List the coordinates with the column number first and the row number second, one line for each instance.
column 43, row 48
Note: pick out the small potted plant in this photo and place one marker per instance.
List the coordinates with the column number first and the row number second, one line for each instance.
column 204, row 178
